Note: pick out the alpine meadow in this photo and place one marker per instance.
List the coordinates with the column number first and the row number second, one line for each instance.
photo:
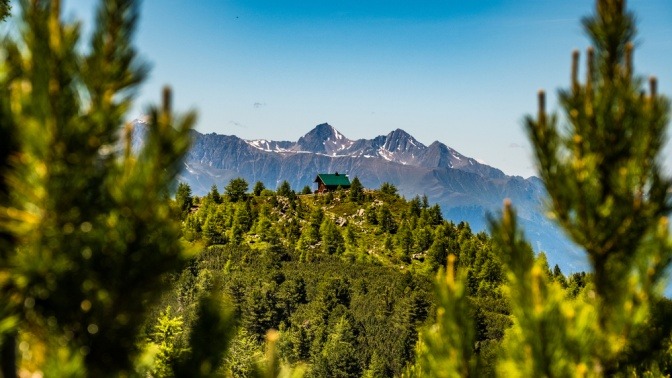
column 112, row 266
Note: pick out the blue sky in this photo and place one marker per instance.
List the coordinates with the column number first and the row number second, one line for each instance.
column 461, row 72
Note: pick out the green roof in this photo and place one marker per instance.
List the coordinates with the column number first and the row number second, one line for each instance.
column 335, row 179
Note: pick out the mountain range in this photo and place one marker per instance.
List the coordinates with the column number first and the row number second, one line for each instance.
column 465, row 189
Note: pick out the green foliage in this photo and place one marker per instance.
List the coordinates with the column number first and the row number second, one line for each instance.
column 339, row 356
column 446, row 349
column 386, row 220
column 243, row 356
column 264, row 225
column 614, row 193
column 183, row 198
column 444, row 243
column 285, row 189
column 607, row 186
column 214, row 194
column 425, row 201
column 371, row 215
column 316, row 219
column 242, row 222
column 304, row 267
column 92, row 224
column 258, row 188
column 267, row 193
column 236, row 189
column 209, row 337
column 405, row 242
column 331, row 237
column 328, row 198
column 214, row 228
column 306, row 301
column 356, row 190
column 388, row 189
column 90, row 240
column 423, row 238
column 165, row 339
column 557, row 335
column 415, row 207
column 601, row 167
column 5, row 9
column 306, row 190
column 434, row 216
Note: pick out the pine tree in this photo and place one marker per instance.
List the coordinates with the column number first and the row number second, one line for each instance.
column 405, row 242
column 184, row 199
column 214, row 194
column 86, row 222
column 236, row 189
column 285, row 190
column 214, row 228
column 600, row 162
column 331, row 237
column 605, row 180
column 423, row 238
column 386, row 220
column 388, row 189
column 258, row 188
column 356, row 190
column 446, row 349
column 165, row 338
column 242, row 222
column 338, row 357
column 414, row 207
column 313, row 228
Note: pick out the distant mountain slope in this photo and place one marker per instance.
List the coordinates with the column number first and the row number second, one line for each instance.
column 465, row 189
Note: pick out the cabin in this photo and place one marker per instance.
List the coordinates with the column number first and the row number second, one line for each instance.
column 329, row 182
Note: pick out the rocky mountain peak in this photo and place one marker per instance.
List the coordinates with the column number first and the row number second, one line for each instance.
column 324, row 139
column 400, row 140
column 323, row 132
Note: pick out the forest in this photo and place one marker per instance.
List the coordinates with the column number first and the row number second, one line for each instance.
column 111, row 267
column 344, row 277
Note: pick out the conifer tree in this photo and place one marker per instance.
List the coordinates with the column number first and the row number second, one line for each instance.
column 214, row 194
column 405, row 242
column 600, row 162
column 386, row 220
column 183, row 198
column 236, row 189
column 285, row 190
column 258, row 188
column 356, row 190
column 605, row 180
column 331, row 237
column 388, row 189
column 446, row 349
column 86, row 223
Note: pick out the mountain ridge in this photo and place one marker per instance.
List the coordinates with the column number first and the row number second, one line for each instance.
column 465, row 189
column 397, row 146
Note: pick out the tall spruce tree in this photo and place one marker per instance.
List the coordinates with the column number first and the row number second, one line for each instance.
column 600, row 163
column 606, row 184
column 87, row 231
